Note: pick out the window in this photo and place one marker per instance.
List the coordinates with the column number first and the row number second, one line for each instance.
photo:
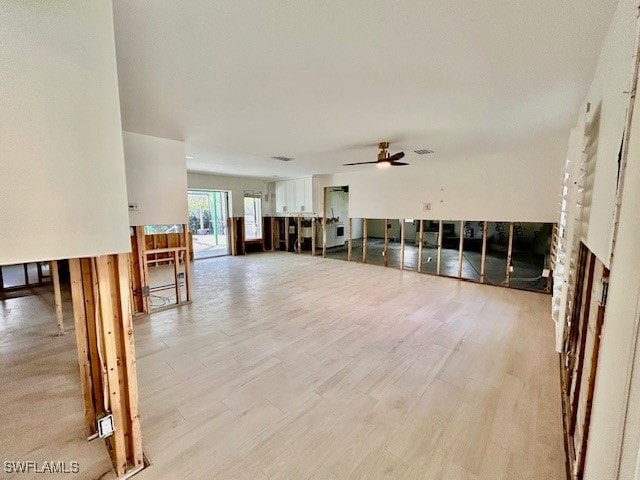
column 252, row 216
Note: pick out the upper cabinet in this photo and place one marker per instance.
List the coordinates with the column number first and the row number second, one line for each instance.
column 294, row 195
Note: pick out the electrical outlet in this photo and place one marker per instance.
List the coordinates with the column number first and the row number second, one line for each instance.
column 106, row 426
column 426, row 206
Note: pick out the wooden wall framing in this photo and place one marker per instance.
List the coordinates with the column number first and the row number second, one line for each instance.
column 579, row 360
column 154, row 250
column 420, row 244
column 102, row 309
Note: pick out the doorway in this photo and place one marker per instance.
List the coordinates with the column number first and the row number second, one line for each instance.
column 336, row 215
column 253, row 216
column 208, row 222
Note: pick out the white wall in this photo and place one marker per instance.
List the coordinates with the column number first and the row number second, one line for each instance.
column 501, row 187
column 62, row 180
column 614, row 436
column 609, row 94
column 156, row 179
column 237, row 186
column 620, row 350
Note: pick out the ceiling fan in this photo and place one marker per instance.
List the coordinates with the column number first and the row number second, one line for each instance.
column 384, row 159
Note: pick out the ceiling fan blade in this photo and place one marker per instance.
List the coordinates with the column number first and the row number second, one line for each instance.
column 398, row 164
column 357, row 163
column 395, row 156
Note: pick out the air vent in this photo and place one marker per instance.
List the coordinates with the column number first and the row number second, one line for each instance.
column 283, row 159
column 423, row 151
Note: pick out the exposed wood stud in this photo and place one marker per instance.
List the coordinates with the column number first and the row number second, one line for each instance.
column 421, row 241
column 129, row 362
column 57, row 294
column 176, row 275
column 80, row 321
column 324, row 223
column 143, row 266
column 286, row 234
column 364, row 240
column 402, row 229
column 460, row 248
column 439, row 259
column 385, row 251
column 592, row 382
column 232, row 231
column 324, row 237
column 483, row 257
column 187, row 263
column 299, row 226
column 350, row 241
column 39, row 269
column 273, row 234
column 509, row 255
column 313, row 236
column 583, row 322
column 92, row 318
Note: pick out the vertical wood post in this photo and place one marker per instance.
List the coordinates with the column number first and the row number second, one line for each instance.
column 350, row 241
column 439, row 259
column 57, row 295
column 402, row 229
column 509, row 255
column 187, row 262
column 176, row 275
column 102, row 307
column 324, row 223
column 324, row 237
column 364, row 240
column 483, row 258
column 273, row 234
column 313, row 236
column 421, row 241
column 286, row 234
column 143, row 266
column 39, row 267
column 460, row 247
column 386, row 243
column 299, row 225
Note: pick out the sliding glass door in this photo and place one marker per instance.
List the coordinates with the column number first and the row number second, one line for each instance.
column 208, row 220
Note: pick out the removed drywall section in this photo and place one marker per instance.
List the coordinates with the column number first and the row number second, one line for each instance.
column 237, row 186
column 62, row 178
column 156, row 180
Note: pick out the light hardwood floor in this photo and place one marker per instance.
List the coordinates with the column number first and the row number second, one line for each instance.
column 293, row 367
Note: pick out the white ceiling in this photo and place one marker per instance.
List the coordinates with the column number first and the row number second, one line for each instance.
column 241, row 81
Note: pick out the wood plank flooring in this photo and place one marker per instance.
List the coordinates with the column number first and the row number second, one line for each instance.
column 293, row 367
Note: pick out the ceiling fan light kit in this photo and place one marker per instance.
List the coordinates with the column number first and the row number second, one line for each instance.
column 384, row 159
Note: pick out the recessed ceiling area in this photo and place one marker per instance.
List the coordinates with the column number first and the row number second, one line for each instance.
column 324, row 82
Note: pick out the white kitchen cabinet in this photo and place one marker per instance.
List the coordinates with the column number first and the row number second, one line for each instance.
column 281, row 197
column 294, row 196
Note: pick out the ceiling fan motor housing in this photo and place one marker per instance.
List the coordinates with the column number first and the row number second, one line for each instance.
column 383, row 154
